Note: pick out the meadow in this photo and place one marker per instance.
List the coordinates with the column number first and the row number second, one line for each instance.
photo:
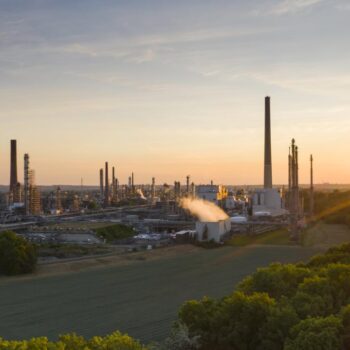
column 141, row 299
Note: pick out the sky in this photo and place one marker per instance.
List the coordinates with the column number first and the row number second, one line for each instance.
column 173, row 88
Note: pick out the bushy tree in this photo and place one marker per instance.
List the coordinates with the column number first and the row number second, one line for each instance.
column 230, row 323
column 275, row 331
column 179, row 339
column 314, row 298
column 114, row 341
column 334, row 255
column 277, row 280
column 316, row 334
column 17, row 256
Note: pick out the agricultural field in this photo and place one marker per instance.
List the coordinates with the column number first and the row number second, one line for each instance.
column 140, row 298
column 323, row 235
column 320, row 235
column 277, row 237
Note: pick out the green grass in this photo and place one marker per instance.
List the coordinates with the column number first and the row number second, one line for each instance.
column 83, row 224
column 70, row 250
column 277, row 237
column 325, row 235
column 114, row 232
column 141, row 298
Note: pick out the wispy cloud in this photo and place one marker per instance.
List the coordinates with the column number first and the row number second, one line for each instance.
column 292, row 6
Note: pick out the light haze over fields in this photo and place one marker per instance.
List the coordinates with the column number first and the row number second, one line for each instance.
column 170, row 88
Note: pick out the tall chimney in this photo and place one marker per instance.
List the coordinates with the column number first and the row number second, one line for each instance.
column 267, row 158
column 106, row 185
column 113, row 183
column 26, row 184
column 153, row 189
column 311, row 185
column 13, row 175
column 101, row 183
column 132, row 183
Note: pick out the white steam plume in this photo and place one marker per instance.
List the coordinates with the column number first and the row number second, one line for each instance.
column 140, row 193
column 205, row 211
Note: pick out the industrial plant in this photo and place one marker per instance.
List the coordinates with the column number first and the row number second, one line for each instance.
column 180, row 213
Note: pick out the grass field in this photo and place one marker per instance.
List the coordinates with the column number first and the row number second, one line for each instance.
column 141, row 298
column 323, row 235
column 83, row 224
column 320, row 235
column 278, row 237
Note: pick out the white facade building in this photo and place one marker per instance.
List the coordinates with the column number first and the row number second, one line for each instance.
column 267, row 200
column 207, row 231
column 212, row 193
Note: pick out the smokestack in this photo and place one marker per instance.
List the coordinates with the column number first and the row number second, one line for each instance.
column 193, row 190
column 26, row 184
column 188, row 184
column 101, row 183
column 311, row 185
column 113, row 183
column 13, row 175
column 296, row 167
column 106, row 185
column 153, row 190
column 267, row 156
column 289, row 171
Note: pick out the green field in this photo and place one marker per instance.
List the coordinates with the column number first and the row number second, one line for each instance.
column 320, row 236
column 87, row 225
column 323, row 235
column 141, row 298
column 277, row 237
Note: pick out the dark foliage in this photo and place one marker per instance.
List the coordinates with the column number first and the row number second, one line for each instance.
column 17, row 256
column 281, row 307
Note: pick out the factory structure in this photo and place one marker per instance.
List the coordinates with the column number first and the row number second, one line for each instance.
column 268, row 200
column 24, row 198
column 245, row 210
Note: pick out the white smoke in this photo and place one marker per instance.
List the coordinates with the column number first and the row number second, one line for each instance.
column 205, row 211
column 140, row 193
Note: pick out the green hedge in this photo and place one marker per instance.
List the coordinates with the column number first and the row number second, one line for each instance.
column 114, row 232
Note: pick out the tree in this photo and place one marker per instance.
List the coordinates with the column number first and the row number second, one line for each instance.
column 316, row 334
column 233, row 322
column 179, row 339
column 17, row 256
column 314, row 298
column 277, row 280
column 273, row 334
column 114, row 341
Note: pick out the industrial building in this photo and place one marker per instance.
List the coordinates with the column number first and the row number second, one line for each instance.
column 212, row 193
column 267, row 200
column 213, row 231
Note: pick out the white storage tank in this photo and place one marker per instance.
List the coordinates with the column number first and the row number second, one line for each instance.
column 212, row 230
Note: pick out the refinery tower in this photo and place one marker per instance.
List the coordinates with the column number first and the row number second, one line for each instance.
column 267, row 200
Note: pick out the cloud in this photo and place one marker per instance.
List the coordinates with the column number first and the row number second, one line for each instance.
column 293, row 6
column 315, row 83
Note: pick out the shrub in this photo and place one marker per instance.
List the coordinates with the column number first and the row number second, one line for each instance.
column 17, row 256
column 114, row 232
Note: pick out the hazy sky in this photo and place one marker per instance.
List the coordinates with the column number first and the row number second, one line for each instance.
column 170, row 88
